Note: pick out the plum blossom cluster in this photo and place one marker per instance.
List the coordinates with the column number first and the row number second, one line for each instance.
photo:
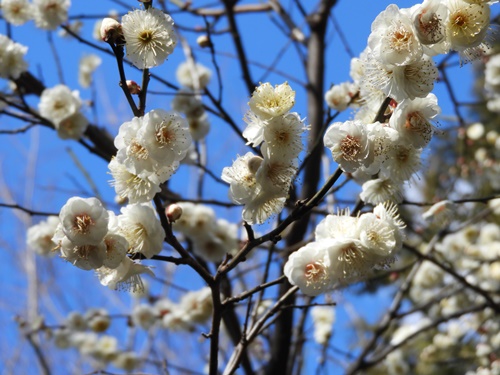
column 384, row 151
column 194, row 77
column 149, row 151
column 93, row 238
column 62, row 107
column 12, row 62
column 262, row 183
column 211, row 238
column 492, row 82
column 346, row 249
column 47, row 14
column 86, row 333
column 194, row 307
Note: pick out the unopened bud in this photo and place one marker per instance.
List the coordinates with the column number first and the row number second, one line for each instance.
column 133, row 87
column 111, row 30
column 173, row 212
column 204, row 41
column 254, row 164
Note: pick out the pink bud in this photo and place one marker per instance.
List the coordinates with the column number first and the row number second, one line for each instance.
column 111, row 30
column 133, row 87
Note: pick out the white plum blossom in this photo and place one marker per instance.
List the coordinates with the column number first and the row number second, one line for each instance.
column 86, row 256
column 349, row 144
column 411, row 119
column 124, row 277
column 380, row 190
column 84, row 221
column 282, row 136
column 466, row 27
column 346, row 249
column 309, row 268
column 165, row 136
column 134, row 188
column 143, row 231
column 187, row 102
column 403, row 160
column 49, row 14
column 149, row 37
column 193, row 75
column 268, row 101
column 415, row 80
column 16, row 12
column 12, row 62
column 198, row 126
column 429, row 22
column 393, row 40
column 242, row 180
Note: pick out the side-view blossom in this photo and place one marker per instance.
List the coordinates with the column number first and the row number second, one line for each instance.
column 142, row 229
column 39, row 236
column 88, row 64
column 149, row 37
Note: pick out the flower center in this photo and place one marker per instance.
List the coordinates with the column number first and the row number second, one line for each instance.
column 146, row 36
column 138, row 150
column 82, row 223
column 350, row 147
column 315, row 273
column 163, row 134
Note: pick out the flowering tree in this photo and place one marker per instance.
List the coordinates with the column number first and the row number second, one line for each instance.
column 236, row 230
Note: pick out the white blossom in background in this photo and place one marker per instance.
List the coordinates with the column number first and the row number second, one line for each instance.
column 187, row 102
column 72, row 127
column 338, row 97
column 149, row 37
column 58, row 103
column 12, row 62
column 49, row 14
column 16, row 12
column 144, row 316
column 74, row 27
column 88, row 64
column 323, row 318
column 39, row 236
column 198, row 127
column 128, row 361
column 196, row 306
column 193, row 75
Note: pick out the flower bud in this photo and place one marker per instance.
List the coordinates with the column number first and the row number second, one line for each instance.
column 173, row 212
column 204, row 41
column 111, row 30
column 133, row 87
column 254, row 164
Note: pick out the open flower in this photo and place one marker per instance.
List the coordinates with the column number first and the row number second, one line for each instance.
column 149, row 37
column 49, row 14
column 84, row 220
column 268, row 101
